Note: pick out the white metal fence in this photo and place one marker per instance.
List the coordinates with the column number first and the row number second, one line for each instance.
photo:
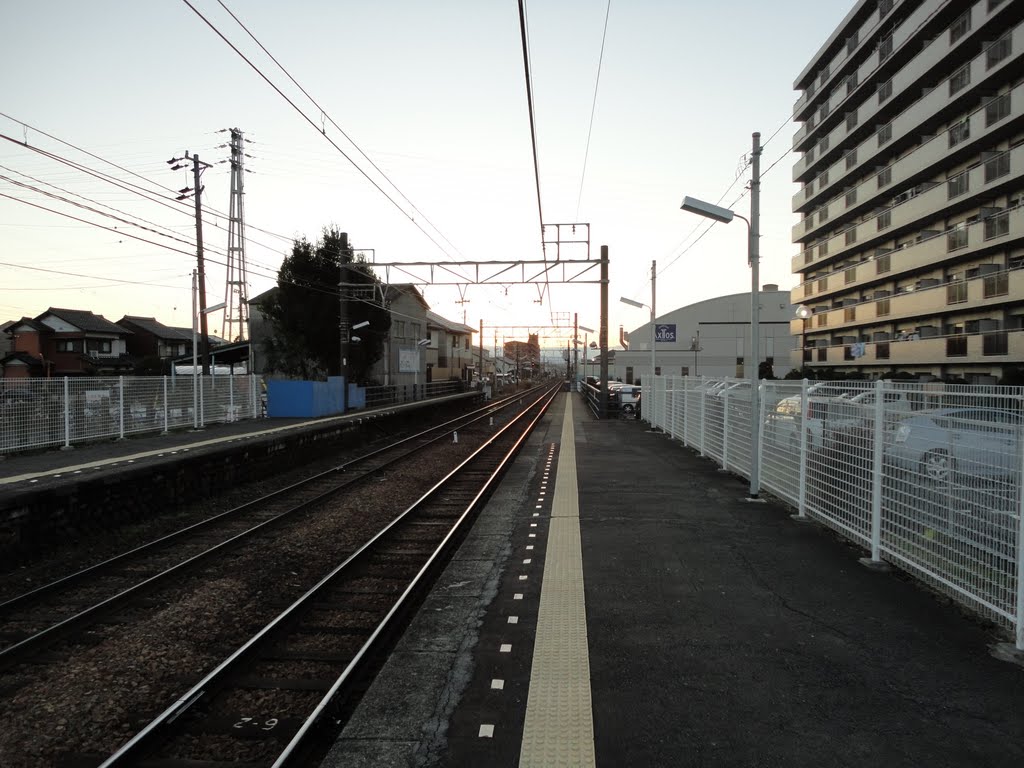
column 42, row 413
column 926, row 476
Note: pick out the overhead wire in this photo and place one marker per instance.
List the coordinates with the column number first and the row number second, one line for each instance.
column 593, row 108
column 523, row 30
column 309, row 120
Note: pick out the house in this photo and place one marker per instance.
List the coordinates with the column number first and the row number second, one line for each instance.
column 403, row 349
column 151, row 338
column 450, row 354
column 66, row 342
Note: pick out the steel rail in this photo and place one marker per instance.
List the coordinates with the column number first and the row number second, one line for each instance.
column 38, row 641
column 162, row 728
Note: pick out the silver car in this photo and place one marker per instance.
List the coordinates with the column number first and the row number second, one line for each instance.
column 968, row 442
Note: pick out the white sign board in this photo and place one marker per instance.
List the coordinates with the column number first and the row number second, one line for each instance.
column 409, row 360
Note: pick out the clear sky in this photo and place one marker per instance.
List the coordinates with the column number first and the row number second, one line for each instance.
column 434, row 93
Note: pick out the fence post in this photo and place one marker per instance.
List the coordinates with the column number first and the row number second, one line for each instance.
column 703, row 421
column 877, row 439
column 252, row 395
column 202, row 403
column 231, row 397
column 120, row 392
column 1019, row 629
column 762, row 388
column 801, row 507
column 166, row 426
column 725, row 429
column 67, row 414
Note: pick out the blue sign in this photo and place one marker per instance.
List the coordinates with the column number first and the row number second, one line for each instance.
column 665, row 332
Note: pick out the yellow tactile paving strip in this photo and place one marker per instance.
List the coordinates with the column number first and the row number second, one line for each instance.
column 559, row 728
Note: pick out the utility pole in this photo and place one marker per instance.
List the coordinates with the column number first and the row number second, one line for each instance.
column 177, row 163
column 575, row 349
column 755, row 315
column 603, row 330
column 235, row 289
column 480, row 375
column 344, row 323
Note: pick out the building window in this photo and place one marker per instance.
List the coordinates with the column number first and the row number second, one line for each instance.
column 993, row 4
column 808, row 256
column 960, row 79
column 851, row 196
column 822, row 284
column 824, row 144
column 69, row 345
column 956, row 292
column 884, row 177
column 884, row 6
column 882, row 308
column 101, row 346
column 851, row 120
column 415, row 331
column 884, row 134
column 998, row 225
column 851, row 236
column 996, row 109
column 956, row 346
column 884, row 90
column 884, row 219
column 823, row 248
column 822, row 320
column 851, row 158
column 882, row 350
column 851, row 46
column 849, row 314
column 823, row 180
column 959, row 132
column 994, row 344
column 851, row 275
column 884, row 48
column 883, row 264
column 996, row 285
column 823, row 354
column 956, row 238
column 823, row 214
column 958, row 185
column 960, row 27
column 996, row 166
column 998, row 51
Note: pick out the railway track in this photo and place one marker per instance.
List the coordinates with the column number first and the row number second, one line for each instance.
column 64, row 609
column 270, row 702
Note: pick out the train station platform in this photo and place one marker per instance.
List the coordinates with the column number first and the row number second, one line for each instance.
column 619, row 602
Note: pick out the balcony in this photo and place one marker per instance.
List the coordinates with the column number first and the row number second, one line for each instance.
column 915, row 119
column 929, row 203
column 920, row 64
column 930, row 351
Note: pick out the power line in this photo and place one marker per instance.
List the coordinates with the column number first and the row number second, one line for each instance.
column 533, row 128
column 593, row 108
column 338, row 127
column 305, row 117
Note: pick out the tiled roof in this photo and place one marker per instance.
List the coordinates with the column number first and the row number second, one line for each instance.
column 449, row 325
column 158, row 329
column 85, row 320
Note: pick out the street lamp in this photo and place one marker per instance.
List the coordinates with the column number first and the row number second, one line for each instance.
column 651, row 306
column 803, row 312
column 695, row 347
column 586, row 331
column 725, row 215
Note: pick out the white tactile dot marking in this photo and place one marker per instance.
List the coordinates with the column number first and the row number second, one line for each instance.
column 532, row 535
column 517, row 596
column 506, row 648
column 513, row 619
column 497, row 684
column 486, row 731
column 527, row 561
column 559, row 726
column 524, row 577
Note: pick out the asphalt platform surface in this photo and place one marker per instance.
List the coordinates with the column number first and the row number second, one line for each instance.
column 720, row 633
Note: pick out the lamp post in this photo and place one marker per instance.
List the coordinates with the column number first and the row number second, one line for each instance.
column 803, row 312
column 651, row 306
column 586, row 331
column 724, row 215
column 695, row 348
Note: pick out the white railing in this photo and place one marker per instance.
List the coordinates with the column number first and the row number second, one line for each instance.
column 926, row 476
column 44, row 413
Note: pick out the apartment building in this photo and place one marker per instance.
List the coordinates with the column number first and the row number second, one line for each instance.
column 911, row 166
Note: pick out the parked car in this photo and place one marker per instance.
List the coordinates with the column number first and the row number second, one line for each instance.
column 970, row 442
column 859, row 410
column 629, row 397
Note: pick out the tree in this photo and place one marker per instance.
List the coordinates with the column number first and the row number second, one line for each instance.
column 304, row 313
